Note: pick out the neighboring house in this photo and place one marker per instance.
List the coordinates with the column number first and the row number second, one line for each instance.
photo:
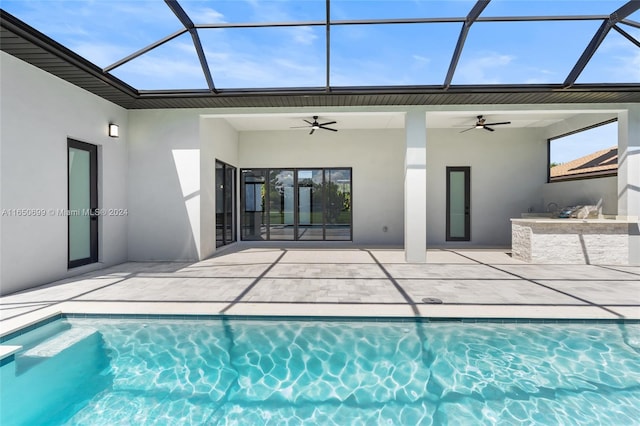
column 601, row 163
column 410, row 166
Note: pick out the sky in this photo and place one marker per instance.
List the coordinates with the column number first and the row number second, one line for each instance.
column 105, row 31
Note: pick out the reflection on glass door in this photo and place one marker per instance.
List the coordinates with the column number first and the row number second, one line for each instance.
column 82, row 203
column 337, row 189
column 458, row 204
column 281, row 205
column 225, row 203
column 296, row 204
column 254, row 224
column 310, row 205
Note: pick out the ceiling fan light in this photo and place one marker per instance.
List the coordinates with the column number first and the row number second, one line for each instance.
column 315, row 127
column 479, row 126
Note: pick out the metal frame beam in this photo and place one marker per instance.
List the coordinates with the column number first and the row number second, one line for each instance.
column 631, row 23
column 627, row 35
column 617, row 16
column 145, row 50
column 471, row 18
column 188, row 24
column 328, row 43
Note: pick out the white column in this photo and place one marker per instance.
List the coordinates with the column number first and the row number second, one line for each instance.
column 629, row 176
column 415, row 187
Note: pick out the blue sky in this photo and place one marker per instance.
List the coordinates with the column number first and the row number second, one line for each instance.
column 105, row 31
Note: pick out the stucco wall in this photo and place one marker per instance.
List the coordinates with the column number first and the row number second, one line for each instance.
column 377, row 160
column 219, row 141
column 508, row 167
column 598, row 191
column 164, row 185
column 507, row 171
column 39, row 113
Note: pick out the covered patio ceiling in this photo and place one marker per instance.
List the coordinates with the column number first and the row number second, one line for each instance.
column 443, row 79
column 462, row 119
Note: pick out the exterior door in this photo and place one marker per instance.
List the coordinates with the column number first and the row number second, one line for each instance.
column 82, row 206
column 225, row 203
column 458, row 203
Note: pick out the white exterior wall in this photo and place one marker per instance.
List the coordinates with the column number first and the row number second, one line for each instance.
column 597, row 191
column 508, row 167
column 164, row 185
column 39, row 113
column 219, row 141
column 377, row 160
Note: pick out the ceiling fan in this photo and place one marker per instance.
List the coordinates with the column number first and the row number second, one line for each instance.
column 482, row 124
column 315, row 125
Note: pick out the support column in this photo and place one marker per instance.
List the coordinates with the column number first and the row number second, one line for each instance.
column 629, row 176
column 415, row 187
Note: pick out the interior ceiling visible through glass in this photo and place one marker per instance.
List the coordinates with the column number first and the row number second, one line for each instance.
column 146, row 45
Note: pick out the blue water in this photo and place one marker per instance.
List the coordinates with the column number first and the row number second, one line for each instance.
column 250, row 372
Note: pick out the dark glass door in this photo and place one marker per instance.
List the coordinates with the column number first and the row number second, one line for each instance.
column 254, row 225
column 458, row 203
column 296, row 204
column 82, row 186
column 310, row 205
column 225, row 203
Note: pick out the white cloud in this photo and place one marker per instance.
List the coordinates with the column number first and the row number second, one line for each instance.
column 422, row 60
column 303, row 35
column 206, row 15
column 484, row 68
column 101, row 54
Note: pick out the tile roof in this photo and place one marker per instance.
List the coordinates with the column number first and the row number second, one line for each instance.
column 599, row 163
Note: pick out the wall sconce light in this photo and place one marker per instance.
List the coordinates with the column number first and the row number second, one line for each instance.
column 114, row 130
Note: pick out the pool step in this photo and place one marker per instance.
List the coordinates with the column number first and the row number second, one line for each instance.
column 59, row 343
column 52, row 347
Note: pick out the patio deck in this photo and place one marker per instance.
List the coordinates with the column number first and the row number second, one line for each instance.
column 286, row 281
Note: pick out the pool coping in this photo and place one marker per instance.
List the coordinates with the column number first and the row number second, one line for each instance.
column 34, row 321
column 384, row 312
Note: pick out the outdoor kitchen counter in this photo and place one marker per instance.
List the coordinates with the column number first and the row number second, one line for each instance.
column 572, row 241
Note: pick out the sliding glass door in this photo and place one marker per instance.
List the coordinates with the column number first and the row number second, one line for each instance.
column 296, row 204
column 337, row 187
column 281, row 205
column 253, row 223
column 225, row 203
column 310, row 205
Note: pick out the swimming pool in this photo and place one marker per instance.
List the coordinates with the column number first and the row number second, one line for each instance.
column 99, row 371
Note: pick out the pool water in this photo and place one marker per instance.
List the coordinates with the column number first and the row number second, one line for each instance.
column 77, row 371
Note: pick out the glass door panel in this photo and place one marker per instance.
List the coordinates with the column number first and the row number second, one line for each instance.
column 254, row 225
column 281, row 205
column 294, row 204
column 458, row 204
column 219, row 204
column 229, row 205
column 337, row 190
column 83, row 203
column 225, row 203
column 310, row 204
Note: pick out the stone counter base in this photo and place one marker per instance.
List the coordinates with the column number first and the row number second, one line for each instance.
column 570, row 242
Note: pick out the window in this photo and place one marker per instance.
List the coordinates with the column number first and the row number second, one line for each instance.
column 591, row 152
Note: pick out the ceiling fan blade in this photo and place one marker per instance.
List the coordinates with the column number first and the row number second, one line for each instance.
column 327, row 123
column 488, row 128
column 466, row 130
column 299, row 127
column 497, row 124
column 328, row 128
column 307, row 121
column 312, row 130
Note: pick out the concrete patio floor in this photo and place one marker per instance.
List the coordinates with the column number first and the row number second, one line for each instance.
column 339, row 282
